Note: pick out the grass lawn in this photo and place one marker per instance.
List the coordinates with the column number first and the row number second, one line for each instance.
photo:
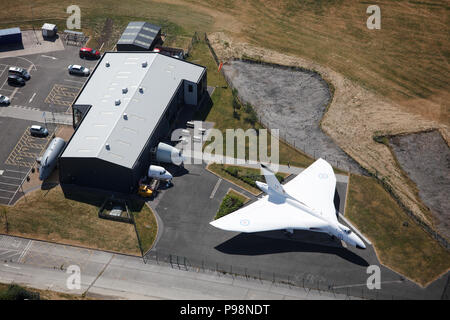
column 406, row 61
column 408, row 250
column 49, row 216
column 146, row 226
column 242, row 176
column 232, row 201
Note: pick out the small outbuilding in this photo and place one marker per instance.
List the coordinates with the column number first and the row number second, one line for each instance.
column 139, row 36
column 49, row 30
column 10, row 36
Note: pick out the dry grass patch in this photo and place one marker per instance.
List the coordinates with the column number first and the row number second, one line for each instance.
column 399, row 242
column 146, row 226
column 47, row 215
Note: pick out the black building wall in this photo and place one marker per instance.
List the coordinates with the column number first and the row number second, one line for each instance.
column 95, row 173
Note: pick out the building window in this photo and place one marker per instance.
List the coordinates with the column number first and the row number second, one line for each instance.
column 190, row 88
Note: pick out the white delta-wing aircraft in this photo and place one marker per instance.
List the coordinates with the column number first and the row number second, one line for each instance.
column 304, row 203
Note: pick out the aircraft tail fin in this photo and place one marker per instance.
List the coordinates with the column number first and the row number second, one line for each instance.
column 272, row 181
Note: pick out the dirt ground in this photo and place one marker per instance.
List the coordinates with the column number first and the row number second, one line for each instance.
column 292, row 101
column 425, row 157
column 354, row 117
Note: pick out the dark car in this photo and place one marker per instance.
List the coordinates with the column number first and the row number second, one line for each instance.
column 21, row 72
column 16, row 80
column 89, row 53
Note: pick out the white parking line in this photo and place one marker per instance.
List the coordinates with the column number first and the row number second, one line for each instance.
column 215, row 188
column 50, row 57
column 5, row 198
column 9, row 184
column 14, row 93
column 24, row 172
column 1, row 190
column 3, row 176
column 32, row 97
column 82, row 82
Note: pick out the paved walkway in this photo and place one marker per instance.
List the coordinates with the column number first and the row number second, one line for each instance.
column 33, row 43
column 34, row 114
column 207, row 158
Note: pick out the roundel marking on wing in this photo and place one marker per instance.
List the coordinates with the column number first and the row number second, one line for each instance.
column 244, row 222
column 323, row 175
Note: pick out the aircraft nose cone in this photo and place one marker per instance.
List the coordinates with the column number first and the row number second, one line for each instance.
column 360, row 244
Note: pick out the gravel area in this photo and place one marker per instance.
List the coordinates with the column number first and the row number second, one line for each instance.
column 293, row 101
column 425, row 157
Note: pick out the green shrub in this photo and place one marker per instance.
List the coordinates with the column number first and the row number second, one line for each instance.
column 15, row 292
column 229, row 204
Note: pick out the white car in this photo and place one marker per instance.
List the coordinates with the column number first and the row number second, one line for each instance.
column 4, row 101
column 77, row 69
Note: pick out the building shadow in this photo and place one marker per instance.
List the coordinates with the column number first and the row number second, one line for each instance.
column 11, row 47
column 97, row 197
column 48, row 185
column 51, row 39
column 205, row 107
column 255, row 244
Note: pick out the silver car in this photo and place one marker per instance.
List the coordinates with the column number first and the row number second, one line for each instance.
column 4, row 101
column 79, row 70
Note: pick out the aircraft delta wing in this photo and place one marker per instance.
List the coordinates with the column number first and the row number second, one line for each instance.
column 305, row 203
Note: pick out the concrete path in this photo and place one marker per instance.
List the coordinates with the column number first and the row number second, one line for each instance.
column 34, row 114
column 196, row 157
column 33, row 43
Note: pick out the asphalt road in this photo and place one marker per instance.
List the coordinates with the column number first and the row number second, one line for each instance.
column 106, row 275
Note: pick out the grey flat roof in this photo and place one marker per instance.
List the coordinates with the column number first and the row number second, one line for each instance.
column 139, row 33
column 105, row 122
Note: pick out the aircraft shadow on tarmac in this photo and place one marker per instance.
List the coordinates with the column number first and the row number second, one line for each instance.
column 261, row 243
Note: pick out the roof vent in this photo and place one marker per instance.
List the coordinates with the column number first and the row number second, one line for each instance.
column 141, row 90
column 124, row 90
column 125, row 116
column 117, row 102
column 107, row 146
column 107, row 64
column 144, row 64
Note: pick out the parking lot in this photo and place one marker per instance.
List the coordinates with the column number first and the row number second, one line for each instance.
column 46, row 96
column 186, row 240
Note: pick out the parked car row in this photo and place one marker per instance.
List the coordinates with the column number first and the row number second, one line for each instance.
column 18, row 76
